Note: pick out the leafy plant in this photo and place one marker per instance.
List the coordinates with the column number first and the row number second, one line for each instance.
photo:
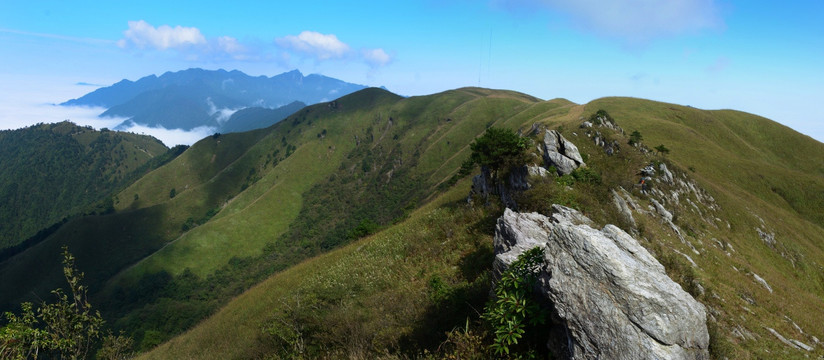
column 67, row 328
column 515, row 308
column 662, row 149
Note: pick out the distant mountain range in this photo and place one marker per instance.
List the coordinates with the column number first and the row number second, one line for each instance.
column 196, row 97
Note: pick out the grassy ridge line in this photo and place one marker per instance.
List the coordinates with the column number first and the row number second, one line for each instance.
column 483, row 112
column 234, row 331
column 781, row 170
column 544, row 112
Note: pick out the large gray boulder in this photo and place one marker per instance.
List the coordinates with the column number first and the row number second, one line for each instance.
column 561, row 153
column 612, row 297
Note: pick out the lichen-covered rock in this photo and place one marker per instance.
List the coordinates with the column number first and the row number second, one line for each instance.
column 561, row 153
column 612, row 297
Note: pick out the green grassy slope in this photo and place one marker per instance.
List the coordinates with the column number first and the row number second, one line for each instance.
column 54, row 171
column 237, row 209
column 375, row 297
column 248, row 198
column 367, row 295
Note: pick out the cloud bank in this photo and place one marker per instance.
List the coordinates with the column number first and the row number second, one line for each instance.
column 172, row 137
column 20, row 111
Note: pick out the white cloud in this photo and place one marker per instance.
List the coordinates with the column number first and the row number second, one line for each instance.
column 189, row 42
column 143, row 35
column 221, row 114
column 322, row 46
column 632, row 20
column 229, row 45
column 376, row 57
column 172, row 137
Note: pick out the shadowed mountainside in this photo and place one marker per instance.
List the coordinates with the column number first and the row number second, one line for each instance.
column 54, row 171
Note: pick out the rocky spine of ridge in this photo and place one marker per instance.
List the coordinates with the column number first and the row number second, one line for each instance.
column 557, row 152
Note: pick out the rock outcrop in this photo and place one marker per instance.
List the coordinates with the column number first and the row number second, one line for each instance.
column 611, row 296
column 561, row 153
column 623, row 208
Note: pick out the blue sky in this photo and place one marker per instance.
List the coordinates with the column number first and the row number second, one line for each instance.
column 763, row 57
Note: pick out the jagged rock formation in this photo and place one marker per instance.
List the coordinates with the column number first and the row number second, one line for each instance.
column 560, row 153
column 602, row 120
column 612, row 297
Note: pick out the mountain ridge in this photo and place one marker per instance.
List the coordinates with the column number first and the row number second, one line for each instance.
column 373, row 161
column 196, row 97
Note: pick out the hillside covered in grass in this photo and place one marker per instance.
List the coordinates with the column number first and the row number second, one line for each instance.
column 344, row 231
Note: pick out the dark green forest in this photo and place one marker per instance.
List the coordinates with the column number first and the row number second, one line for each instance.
column 54, row 171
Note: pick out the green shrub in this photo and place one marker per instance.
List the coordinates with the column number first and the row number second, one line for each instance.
column 497, row 149
column 586, row 175
column 515, row 308
column 635, row 138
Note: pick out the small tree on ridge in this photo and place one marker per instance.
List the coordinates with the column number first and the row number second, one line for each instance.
column 497, row 149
